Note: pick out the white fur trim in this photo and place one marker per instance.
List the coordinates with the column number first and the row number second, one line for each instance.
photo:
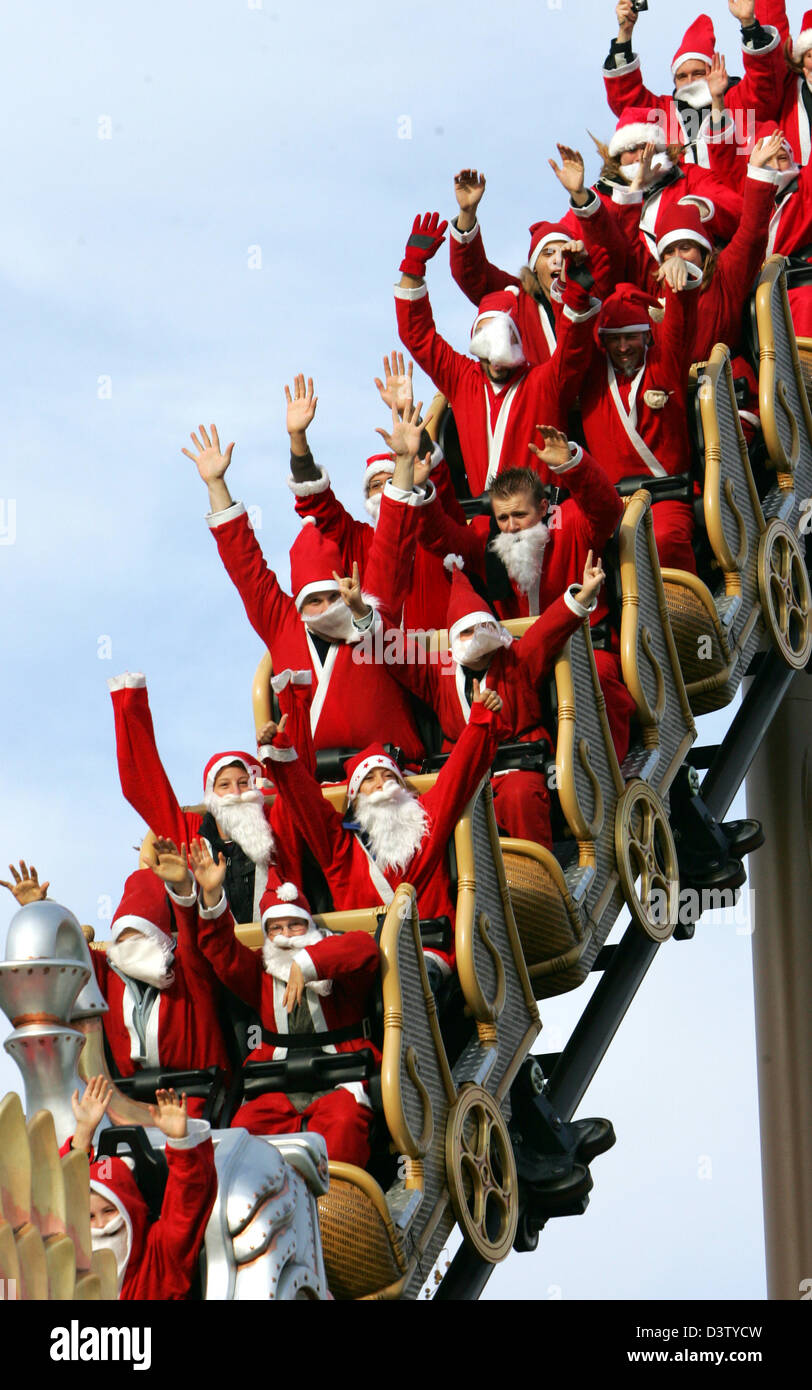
column 580, row 609
column 130, row 680
column 373, row 469
column 304, row 960
column 409, row 497
column 216, row 519
column 622, row 69
column 226, row 761
column 368, row 765
column 626, row 196
column 140, row 924
column 576, row 456
column 768, row 47
column 685, row 57
column 210, row 914
column 637, row 133
column 574, row 317
column 269, row 753
column 179, row 899
column 453, row 562
column 311, row 487
column 197, row 1132
column 471, row 620
column 800, row 46
column 288, row 677
column 463, row 237
column 316, row 586
column 763, row 175
column 417, row 293
column 589, row 208
column 286, row 909
column 682, row 234
column 704, row 206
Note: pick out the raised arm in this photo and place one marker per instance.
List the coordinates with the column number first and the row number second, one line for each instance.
column 621, row 70
column 143, row 778
column 310, row 484
column 175, row 1239
column 237, row 967
column 317, row 821
column 598, row 508
column 761, row 90
column 540, row 646
column 470, row 759
column 470, row 267
column 415, row 320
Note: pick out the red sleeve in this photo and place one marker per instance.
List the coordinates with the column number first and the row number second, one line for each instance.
column 390, row 562
column 318, row 823
column 616, row 251
column 442, row 535
column 335, row 522
column 598, row 508
column 472, row 270
column 774, row 12
column 175, row 1239
column 345, row 953
column 543, row 641
column 675, row 338
column 761, row 90
column 418, row 334
column 459, row 778
column 192, row 958
column 447, row 497
column 143, row 779
column 565, row 372
column 239, row 968
column 266, row 604
column 742, row 257
column 625, row 87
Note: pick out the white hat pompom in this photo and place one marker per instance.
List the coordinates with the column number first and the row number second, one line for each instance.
column 287, row 892
column 453, row 562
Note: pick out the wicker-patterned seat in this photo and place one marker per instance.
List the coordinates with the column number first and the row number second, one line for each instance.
column 552, row 931
column 363, row 1254
column 784, row 408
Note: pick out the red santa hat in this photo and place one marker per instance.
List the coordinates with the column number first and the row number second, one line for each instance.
column 465, row 607
column 112, row 1179
column 541, row 234
column 804, row 40
column 366, row 761
column 220, row 760
column 313, row 558
column 626, row 310
column 699, row 42
column 502, row 303
column 145, row 907
column 285, row 900
column 681, row 221
column 377, row 463
column 639, row 125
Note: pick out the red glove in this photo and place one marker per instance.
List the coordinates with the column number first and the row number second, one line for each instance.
column 425, row 241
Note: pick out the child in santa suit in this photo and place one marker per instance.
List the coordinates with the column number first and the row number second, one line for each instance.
column 498, row 399
column 311, row 630
column 634, row 401
column 258, row 839
column 155, row 1260
column 394, row 836
column 306, row 985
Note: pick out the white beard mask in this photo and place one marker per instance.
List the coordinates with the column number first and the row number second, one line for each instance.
column 241, row 817
column 277, row 957
column 334, row 624
column 394, row 822
column 372, row 507
column 114, row 1236
column 150, row 962
column 485, row 639
column 522, row 554
column 785, row 177
column 495, row 340
column 660, row 164
column 697, row 94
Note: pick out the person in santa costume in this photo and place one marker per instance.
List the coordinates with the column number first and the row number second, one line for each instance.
column 155, row 1260
column 728, row 274
column 794, row 114
column 498, row 398
column 162, row 995
column 313, row 629
column 634, row 402
column 688, row 110
column 790, row 229
column 424, row 602
column 254, row 833
column 310, row 989
column 393, row 836
column 538, row 312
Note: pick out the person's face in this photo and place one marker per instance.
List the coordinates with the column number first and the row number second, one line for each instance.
column 807, row 63
column 548, row 264
column 317, row 602
column 101, row 1211
column 692, row 70
column 626, row 350
column 479, row 663
column 231, row 781
column 780, row 161
column 518, row 512
column 375, row 780
column 690, row 251
column 632, row 156
column 286, row 926
column 377, row 483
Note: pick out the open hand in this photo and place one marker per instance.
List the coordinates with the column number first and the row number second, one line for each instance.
column 301, row 405
column 766, row 149
column 294, row 989
column 742, row 10
column 571, row 172
column 469, row 187
column 396, row 388
column 26, row 886
column 211, row 463
column 407, row 431
column 643, row 176
column 173, row 865
column 209, row 875
column 718, row 79
column 556, row 450
column 169, row 1114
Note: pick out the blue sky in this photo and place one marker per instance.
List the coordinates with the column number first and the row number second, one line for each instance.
column 201, row 200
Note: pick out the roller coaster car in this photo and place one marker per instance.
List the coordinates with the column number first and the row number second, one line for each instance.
column 786, row 417
column 45, row 1250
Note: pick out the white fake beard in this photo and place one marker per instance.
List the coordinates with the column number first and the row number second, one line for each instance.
column 241, row 817
column 142, row 959
column 486, row 638
column 495, row 342
column 334, row 624
column 372, row 507
column 696, row 94
column 522, row 553
column 395, row 824
column 660, row 164
column 277, row 958
column 785, row 177
column 114, row 1236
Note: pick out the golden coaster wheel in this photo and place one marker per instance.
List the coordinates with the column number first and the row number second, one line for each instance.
column 481, row 1172
column 645, row 850
column 785, row 596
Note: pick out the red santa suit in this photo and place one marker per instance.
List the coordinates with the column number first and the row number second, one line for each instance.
column 496, row 423
column 353, row 876
column 424, row 601
column 790, row 234
column 172, row 1022
column 757, row 96
column 339, row 972
column 795, row 112
column 639, row 424
column 147, row 788
column 157, row 1260
column 583, row 522
column 348, row 702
